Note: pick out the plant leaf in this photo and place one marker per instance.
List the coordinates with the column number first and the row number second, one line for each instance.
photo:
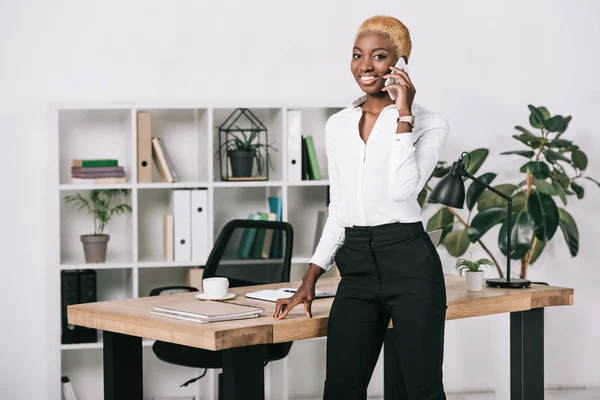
column 545, row 187
column 559, row 143
column 529, row 139
column 545, row 113
column 556, row 124
column 477, row 158
column 563, row 179
column 560, row 191
column 544, row 213
column 569, row 228
column 491, row 199
column 484, row 221
column 442, row 218
column 475, row 189
column 579, row 190
column 422, row 196
column 445, row 232
column 579, row 159
column 457, row 242
column 553, row 156
column 523, row 130
column 524, row 153
column 567, row 120
column 440, row 172
column 536, row 118
column 538, row 169
column 521, row 236
column 519, row 203
column 537, row 250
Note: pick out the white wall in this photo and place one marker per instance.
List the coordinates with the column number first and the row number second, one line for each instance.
column 477, row 63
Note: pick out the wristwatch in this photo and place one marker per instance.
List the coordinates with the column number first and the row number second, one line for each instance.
column 407, row 118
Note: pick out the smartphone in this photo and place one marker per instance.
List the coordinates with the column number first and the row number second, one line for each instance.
column 401, row 64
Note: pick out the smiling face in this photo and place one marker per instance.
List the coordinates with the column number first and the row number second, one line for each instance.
column 372, row 56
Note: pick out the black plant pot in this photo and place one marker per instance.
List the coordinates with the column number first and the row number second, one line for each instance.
column 241, row 163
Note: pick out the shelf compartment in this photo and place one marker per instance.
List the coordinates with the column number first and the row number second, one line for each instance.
column 272, row 119
column 184, row 133
column 94, row 134
column 74, row 223
column 312, row 123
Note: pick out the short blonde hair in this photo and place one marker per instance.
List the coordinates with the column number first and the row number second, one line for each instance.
column 393, row 29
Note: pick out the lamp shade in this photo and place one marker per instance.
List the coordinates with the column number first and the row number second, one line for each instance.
column 450, row 191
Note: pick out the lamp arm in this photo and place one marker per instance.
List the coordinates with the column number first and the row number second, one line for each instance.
column 499, row 193
column 509, row 216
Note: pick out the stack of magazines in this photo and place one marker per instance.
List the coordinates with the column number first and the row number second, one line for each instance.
column 208, row 311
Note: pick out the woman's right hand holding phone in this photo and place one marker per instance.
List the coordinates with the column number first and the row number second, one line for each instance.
column 304, row 295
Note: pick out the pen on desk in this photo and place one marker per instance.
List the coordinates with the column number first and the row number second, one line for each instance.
column 290, row 291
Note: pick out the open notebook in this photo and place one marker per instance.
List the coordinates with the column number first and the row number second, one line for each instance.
column 208, row 311
column 274, row 294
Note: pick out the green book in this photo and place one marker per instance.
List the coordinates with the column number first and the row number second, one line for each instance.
column 313, row 163
column 105, row 162
column 260, row 237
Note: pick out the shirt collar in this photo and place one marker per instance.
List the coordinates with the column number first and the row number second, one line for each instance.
column 359, row 101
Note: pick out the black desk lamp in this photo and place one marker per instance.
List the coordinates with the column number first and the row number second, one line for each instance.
column 450, row 191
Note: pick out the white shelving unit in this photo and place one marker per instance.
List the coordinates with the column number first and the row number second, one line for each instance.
column 134, row 262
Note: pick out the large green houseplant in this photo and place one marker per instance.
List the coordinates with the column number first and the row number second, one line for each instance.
column 553, row 171
column 99, row 204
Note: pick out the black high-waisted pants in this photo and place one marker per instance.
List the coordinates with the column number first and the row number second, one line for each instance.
column 388, row 271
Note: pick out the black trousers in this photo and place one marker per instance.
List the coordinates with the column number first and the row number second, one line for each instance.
column 388, row 271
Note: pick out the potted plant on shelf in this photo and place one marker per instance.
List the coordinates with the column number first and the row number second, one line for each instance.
column 243, row 148
column 243, row 140
column 98, row 203
column 473, row 272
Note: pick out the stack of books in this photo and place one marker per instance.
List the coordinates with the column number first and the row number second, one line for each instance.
column 97, row 171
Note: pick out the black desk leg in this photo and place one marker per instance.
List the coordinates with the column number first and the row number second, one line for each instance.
column 243, row 373
column 527, row 355
column 122, row 367
column 393, row 379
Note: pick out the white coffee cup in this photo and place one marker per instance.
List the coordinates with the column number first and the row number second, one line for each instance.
column 215, row 287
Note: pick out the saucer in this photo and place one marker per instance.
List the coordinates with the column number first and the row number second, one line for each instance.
column 204, row 296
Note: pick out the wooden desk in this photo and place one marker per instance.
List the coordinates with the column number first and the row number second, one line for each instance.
column 125, row 322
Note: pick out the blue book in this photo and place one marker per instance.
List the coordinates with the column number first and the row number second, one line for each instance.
column 247, row 239
column 275, row 206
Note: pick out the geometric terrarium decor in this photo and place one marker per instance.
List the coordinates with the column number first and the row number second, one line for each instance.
column 243, row 148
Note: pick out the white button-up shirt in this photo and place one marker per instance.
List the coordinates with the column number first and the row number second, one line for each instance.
column 376, row 182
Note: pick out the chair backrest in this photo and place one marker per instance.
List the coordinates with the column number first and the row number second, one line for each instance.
column 252, row 252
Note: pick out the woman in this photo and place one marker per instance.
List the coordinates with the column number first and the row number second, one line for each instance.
column 380, row 154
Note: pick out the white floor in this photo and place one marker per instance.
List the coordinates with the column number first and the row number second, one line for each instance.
column 564, row 394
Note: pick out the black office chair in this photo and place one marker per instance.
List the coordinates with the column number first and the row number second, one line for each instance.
column 237, row 257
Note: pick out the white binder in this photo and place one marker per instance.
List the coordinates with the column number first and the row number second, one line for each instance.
column 199, row 212
column 294, row 127
column 181, row 219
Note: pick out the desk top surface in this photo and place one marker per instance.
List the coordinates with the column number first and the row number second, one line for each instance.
column 132, row 316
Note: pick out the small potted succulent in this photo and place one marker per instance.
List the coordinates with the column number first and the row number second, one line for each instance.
column 98, row 203
column 473, row 272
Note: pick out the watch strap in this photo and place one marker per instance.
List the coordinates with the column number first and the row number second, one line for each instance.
column 407, row 118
